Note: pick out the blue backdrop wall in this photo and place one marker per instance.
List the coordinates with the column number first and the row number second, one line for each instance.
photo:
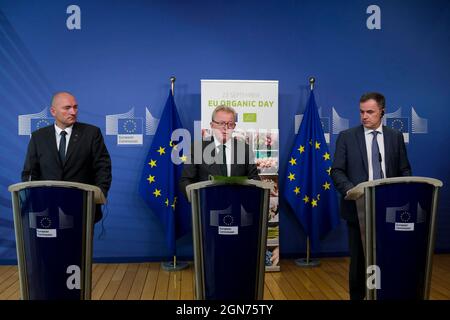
column 124, row 52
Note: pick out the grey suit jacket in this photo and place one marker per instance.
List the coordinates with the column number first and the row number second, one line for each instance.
column 350, row 164
column 87, row 159
column 200, row 172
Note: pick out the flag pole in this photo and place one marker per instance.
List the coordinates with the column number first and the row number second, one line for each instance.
column 312, row 80
column 172, row 85
column 308, row 262
column 173, row 266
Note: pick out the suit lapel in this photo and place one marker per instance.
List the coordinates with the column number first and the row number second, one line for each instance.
column 74, row 141
column 213, row 168
column 387, row 139
column 234, row 157
column 51, row 143
column 362, row 147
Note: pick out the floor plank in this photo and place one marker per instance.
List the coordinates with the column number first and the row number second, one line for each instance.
column 127, row 282
column 138, row 283
column 187, row 283
column 148, row 281
column 103, row 282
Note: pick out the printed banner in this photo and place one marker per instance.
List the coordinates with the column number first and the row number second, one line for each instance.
column 256, row 105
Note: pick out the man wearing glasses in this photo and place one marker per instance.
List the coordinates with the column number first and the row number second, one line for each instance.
column 223, row 156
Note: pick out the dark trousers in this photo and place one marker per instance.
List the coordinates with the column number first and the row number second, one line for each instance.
column 357, row 270
column 98, row 214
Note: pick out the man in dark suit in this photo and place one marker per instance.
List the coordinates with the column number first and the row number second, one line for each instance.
column 223, row 156
column 68, row 150
column 367, row 152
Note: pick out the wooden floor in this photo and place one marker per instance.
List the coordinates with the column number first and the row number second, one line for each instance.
column 147, row 281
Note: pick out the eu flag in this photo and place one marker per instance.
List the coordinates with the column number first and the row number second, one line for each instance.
column 159, row 182
column 308, row 186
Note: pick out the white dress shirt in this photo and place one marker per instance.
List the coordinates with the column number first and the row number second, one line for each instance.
column 58, row 130
column 380, row 139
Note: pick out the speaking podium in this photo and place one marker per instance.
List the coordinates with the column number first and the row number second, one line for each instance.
column 53, row 222
column 229, row 222
column 397, row 218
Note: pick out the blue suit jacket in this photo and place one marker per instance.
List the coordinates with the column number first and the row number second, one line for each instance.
column 350, row 164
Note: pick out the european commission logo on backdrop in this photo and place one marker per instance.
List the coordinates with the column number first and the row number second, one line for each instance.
column 396, row 121
column 129, row 129
column 27, row 123
column 406, row 125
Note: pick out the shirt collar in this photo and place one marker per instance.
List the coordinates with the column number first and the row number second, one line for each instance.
column 218, row 143
column 68, row 130
column 369, row 131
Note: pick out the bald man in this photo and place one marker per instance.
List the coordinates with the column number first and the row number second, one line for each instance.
column 68, row 150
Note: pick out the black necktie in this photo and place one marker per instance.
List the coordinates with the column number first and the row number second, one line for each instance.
column 376, row 161
column 62, row 147
column 224, row 160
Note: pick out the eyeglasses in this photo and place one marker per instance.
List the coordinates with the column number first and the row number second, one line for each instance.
column 229, row 125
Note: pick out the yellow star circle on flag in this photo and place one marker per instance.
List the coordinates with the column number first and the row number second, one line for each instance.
column 293, row 161
column 291, row 176
column 151, row 179
column 326, row 156
column 326, row 186
column 297, row 190
column 152, row 163
column 161, row 151
column 174, row 203
column 301, row 149
column 329, row 170
column 314, row 203
column 306, row 199
column 317, row 145
column 173, row 145
column 157, row 193
column 183, row 158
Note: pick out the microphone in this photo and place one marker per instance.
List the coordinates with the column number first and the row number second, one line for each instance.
column 381, row 167
column 34, row 164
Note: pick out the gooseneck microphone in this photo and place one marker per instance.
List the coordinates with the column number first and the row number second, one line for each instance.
column 33, row 167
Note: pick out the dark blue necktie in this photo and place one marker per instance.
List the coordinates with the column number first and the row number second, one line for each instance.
column 62, row 147
column 376, row 157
